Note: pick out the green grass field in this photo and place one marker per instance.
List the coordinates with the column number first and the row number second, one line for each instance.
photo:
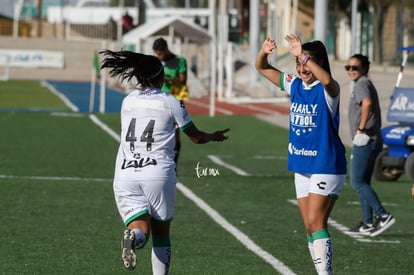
column 58, row 215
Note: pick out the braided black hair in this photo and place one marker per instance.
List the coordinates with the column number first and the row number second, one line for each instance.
column 147, row 69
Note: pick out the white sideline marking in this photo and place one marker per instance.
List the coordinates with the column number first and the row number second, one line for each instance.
column 270, row 157
column 105, row 127
column 61, row 96
column 345, row 230
column 383, row 203
column 64, row 114
column 243, row 238
column 233, row 168
column 53, row 178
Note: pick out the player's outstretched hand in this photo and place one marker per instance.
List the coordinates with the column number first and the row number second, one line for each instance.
column 295, row 44
column 201, row 137
column 269, row 45
column 219, row 135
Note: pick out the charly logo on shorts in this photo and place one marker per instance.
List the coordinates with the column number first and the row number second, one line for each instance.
column 321, row 185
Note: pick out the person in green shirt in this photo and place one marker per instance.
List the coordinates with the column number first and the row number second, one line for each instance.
column 175, row 83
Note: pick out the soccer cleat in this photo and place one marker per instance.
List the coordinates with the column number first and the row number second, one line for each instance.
column 382, row 224
column 129, row 258
column 363, row 229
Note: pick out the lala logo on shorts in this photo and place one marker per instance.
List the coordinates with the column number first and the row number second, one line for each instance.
column 143, row 162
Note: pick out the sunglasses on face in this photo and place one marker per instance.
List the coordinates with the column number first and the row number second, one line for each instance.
column 352, row 68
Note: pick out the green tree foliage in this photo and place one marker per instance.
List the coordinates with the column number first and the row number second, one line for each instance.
column 380, row 10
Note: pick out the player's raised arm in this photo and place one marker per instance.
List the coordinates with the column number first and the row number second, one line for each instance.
column 262, row 64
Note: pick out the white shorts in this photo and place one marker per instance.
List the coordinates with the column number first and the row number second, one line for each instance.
column 135, row 198
column 322, row 184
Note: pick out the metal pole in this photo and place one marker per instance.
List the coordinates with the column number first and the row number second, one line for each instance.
column 212, row 31
column 229, row 69
column 121, row 14
column 17, row 10
column 321, row 20
column 221, row 43
column 294, row 16
column 254, row 39
column 102, row 86
column 39, row 18
column 141, row 12
column 92, row 91
column 354, row 27
column 275, row 34
column 354, row 22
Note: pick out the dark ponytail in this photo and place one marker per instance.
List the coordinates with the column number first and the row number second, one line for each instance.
column 147, row 69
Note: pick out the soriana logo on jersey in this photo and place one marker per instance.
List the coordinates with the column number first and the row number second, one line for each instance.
column 301, row 151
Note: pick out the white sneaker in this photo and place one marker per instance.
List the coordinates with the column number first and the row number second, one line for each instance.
column 362, row 229
column 382, row 224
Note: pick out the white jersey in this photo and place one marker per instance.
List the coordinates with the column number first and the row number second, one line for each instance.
column 148, row 121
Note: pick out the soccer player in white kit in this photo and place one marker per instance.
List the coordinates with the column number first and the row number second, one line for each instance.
column 145, row 179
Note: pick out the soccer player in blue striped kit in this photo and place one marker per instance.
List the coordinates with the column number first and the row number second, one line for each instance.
column 315, row 152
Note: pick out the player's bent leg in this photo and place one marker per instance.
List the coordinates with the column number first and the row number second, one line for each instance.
column 161, row 247
column 319, row 208
column 322, row 244
column 128, row 256
column 134, row 237
column 312, row 251
column 161, row 255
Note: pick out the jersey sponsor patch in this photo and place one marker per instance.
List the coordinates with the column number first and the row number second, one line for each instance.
column 302, row 151
column 139, row 103
column 288, row 78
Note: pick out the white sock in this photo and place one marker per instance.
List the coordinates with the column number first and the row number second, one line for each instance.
column 160, row 258
column 323, row 255
column 140, row 238
column 312, row 253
